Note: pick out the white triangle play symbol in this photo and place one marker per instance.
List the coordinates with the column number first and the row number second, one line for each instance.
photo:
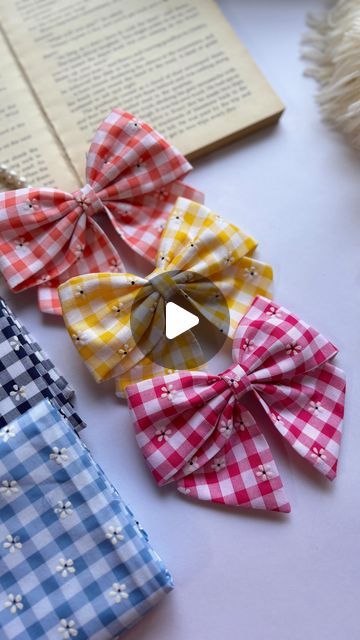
column 178, row 320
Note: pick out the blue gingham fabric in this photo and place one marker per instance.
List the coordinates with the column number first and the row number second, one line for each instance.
column 74, row 561
column 27, row 374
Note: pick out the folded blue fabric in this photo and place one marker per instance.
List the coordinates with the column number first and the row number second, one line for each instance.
column 74, row 561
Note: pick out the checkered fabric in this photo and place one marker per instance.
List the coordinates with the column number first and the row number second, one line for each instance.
column 204, row 432
column 27, row 375
column 199, row 249
column 133, row 176
column 74, row 561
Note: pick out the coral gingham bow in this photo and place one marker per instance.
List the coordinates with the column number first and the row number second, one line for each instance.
column 48, row 236
column 99, row 309
column 204, row 432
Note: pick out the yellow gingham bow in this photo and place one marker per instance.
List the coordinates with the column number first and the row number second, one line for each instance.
column 197, row 250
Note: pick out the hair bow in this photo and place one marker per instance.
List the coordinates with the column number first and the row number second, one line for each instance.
column 204, row 432
column 198, row 251
column 47, row 236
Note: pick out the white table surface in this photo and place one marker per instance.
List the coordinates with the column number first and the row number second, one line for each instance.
column 238, row 573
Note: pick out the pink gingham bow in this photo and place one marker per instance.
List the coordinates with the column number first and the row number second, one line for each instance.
column 204, row 431
column 47, row 236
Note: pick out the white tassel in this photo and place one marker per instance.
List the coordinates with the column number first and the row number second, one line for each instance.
column 332, row 46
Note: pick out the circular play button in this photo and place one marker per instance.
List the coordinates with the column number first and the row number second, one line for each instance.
column 179, row 320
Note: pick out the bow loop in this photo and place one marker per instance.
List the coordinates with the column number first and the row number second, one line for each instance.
column 271, row 344
column 48, row 236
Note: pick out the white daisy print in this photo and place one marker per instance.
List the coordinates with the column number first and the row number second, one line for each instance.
column 192, row 465
column 134, row 125
column 114, row 265
column 63, row 509
column 233, row 382
column 12, row 543
column 80, row 291
column 117, row 308
column 140, row 164
column 163, row 194
column 14, row 603
column 124, row 350
column 228, row 260
column 64, row 567
column 9, row 487
column 178, row 218
column 7, row 432
column 250, row 273
column 277, row 420
column 318, row 454
column 79, row 338
column 184, row 490
column 79, row 252
column 119, row 592
column 83, row 202
column 18, row 392
column 240, row 424
column 247, row 344
column 168, row 391
column 315, row 407
column 218, row 464
column 264, row 472
column 67, row 629
column 163, row 434
column 226, row 428
column 32, row 204
column 43, row 279
column 124, row 213
column 15, row 343
column 114, row 534
column 21, row 243
column 293, row 348
column 59, row 455
column 273, row 313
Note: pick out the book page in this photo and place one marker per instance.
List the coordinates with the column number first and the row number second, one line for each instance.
column 174, row 63
column 26, row 144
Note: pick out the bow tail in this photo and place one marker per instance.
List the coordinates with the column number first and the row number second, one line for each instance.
column 309, row 415
column 242, row 474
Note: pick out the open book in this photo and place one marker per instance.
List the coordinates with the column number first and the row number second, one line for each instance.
column 176, row 64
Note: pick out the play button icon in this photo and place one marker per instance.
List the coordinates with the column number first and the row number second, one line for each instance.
column 178, row 320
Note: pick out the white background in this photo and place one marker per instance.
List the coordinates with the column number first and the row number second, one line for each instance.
column 242, row 574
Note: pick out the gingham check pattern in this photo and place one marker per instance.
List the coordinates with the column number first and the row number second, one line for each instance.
column 204, row 432
column 100, row 313
column 133, row 176
column 27, row 374
column 58, row 508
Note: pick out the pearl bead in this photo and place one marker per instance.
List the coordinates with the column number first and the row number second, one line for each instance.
column 10, row 177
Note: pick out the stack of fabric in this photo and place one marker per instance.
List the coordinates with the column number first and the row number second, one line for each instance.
column 74, row 561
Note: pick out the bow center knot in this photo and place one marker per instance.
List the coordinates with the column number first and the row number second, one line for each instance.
column 165, row 285
column 88, row 200
column 237, row 379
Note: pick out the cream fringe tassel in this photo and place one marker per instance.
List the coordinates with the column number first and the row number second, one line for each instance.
column 332, row 46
